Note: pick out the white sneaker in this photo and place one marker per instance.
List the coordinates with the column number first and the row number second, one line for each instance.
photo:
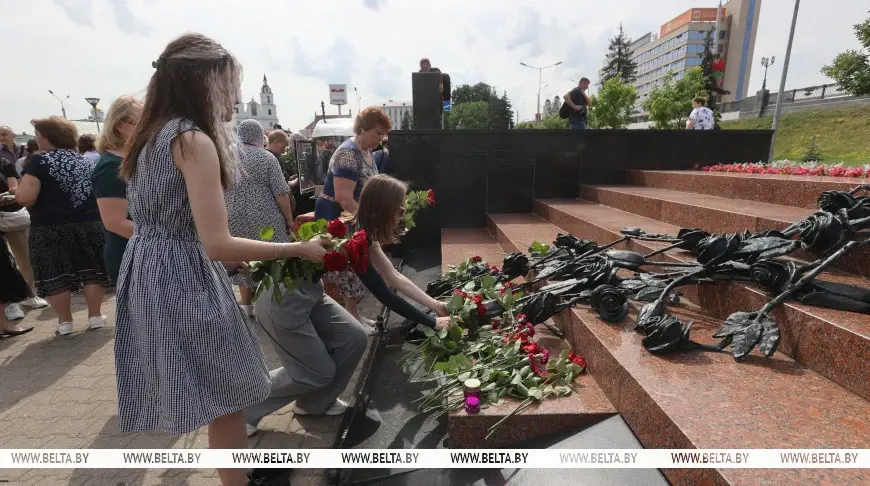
column 34, row 302
column 96, row 322
column 14, row 312
column 250, row 429
column 249, row 310
column 337, row 408
column 64, row 328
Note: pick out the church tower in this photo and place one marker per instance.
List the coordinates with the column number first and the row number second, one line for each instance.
column 268, row 115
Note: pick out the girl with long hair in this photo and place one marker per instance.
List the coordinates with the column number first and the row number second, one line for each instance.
column 186, row 355
column 318, row 342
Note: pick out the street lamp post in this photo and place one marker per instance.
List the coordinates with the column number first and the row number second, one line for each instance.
column 540, row 71
column 93, row 102
column 358, row 109
column 62, row 108
column 766, row 62
column 779, row 96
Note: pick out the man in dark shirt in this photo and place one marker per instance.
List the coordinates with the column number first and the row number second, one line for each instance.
column 10, row 151
column 579, row 102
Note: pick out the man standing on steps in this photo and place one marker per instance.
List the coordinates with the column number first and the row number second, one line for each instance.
column 579, row 102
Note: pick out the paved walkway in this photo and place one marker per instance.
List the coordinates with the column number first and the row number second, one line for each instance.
column 59, row 392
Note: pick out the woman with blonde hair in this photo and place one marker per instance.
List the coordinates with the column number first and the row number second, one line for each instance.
column 185, row 353
column 109, row 189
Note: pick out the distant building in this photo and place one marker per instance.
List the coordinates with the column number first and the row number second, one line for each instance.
column 679, row 44
column 395, row 110
column 265, row 112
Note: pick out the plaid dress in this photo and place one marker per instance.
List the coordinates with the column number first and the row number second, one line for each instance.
column 184, row 351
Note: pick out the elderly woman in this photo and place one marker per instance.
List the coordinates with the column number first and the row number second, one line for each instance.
column 109, row 189
column 259, row 198
column 349, row 168
column 66, row 235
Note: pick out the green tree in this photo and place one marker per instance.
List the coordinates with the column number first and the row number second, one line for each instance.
column 466, row 93
column 851, row 69
column 814, row 153
column 553, row 122
column 619, row 64
column 611, row 107
column 669, row 105
column 499, row 110
column 473, row 114
column 407, row 124
column 710, row 85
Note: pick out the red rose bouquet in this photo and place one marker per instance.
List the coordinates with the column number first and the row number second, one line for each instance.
column 415, row 202
column 345, row 252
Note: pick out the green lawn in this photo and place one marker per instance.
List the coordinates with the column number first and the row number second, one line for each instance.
column 842, row 135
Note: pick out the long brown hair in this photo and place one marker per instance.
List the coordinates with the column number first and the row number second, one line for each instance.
column 196, row 79
column 380, row 199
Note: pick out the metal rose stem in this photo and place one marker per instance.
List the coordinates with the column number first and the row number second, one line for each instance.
column 662, row 250
column 779, row 299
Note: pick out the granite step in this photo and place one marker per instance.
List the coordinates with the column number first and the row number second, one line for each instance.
column 787, row 190
column 713, row 214
column 586, row 406
column 834, row 343
column 706, row 400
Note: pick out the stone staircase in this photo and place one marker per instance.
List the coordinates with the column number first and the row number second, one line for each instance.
column 813, row 393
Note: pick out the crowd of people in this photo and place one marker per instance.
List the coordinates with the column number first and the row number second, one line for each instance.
column 167, row 205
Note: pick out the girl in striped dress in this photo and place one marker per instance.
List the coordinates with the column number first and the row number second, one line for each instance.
column 185, row 353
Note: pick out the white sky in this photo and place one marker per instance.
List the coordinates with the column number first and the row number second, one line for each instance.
column 104, row 48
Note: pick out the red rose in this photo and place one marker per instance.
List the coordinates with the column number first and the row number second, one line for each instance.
column 477, row 299
column 476, row 259
column 431, row 199
column 335, row 261
column 337, row 228
column 481, row 309
column 521, row 318
column 531, row 348
column 508, row 285
column 494, row 325
column 357, row 249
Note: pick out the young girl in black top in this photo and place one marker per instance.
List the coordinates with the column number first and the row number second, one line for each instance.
column 318, row 341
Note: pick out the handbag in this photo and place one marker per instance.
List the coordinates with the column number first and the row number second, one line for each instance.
column 14, row 221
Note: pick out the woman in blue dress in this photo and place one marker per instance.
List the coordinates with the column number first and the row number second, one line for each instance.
column 349, row 169
column 185, row 353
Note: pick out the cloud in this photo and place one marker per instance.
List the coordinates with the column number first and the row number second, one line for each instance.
column 529, row 31
column 80, row 12
column 371, row 4
column 333, row 66
column 127, row 21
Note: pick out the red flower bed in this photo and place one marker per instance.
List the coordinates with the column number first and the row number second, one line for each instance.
column 788, row 169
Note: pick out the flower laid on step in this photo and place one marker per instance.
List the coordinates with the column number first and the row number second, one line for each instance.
column 789, row 168
column 462, row 275
column 415, row 202
column 343, row 252
column 495, row 345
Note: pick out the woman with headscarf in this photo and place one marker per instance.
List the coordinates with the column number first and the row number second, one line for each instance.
column 259, row 198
